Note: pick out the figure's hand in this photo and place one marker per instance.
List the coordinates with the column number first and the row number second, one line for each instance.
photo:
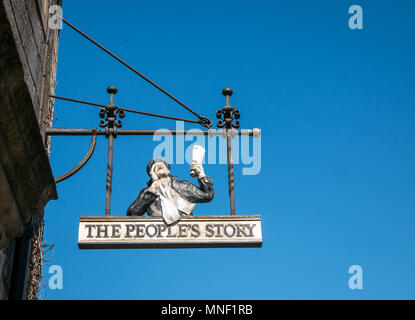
column 196, row 170
column 153, row 175
column 155, row 187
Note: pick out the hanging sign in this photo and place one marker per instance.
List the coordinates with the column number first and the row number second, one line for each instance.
column 168, row 201
column 112, row 232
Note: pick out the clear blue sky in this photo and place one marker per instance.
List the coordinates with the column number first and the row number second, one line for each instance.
column 336, row 107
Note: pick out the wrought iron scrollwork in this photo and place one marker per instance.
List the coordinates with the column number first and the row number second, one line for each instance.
column 228, row 114
column 110, row 113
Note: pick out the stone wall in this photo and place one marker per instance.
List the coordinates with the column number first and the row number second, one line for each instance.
column 28, row 58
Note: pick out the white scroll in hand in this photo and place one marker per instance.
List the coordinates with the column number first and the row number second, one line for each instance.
column 198, row 153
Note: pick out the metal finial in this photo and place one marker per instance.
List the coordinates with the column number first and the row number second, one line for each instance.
column 227, row 92
column 112, row 90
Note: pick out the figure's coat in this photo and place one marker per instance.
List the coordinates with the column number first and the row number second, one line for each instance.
column 149, row 202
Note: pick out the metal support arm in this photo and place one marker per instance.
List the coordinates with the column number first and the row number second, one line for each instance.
column 124, row 132
column 83, row 161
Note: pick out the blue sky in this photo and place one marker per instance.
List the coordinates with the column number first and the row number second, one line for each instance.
column 336, row 107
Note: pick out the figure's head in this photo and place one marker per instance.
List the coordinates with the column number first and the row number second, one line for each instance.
column 159, row 166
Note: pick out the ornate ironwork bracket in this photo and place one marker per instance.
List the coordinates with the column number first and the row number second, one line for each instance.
column 110, row 124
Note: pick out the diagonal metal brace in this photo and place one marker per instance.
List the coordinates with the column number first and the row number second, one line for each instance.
column 83, row 161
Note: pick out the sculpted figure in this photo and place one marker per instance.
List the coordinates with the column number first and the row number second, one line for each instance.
column 167, row 197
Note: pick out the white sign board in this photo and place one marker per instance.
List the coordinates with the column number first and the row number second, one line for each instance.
column 106, row 232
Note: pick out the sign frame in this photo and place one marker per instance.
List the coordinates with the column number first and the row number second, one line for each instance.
column 246, row 231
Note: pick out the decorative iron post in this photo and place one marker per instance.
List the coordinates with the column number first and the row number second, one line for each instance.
column 227, row 115
column 110, row 124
